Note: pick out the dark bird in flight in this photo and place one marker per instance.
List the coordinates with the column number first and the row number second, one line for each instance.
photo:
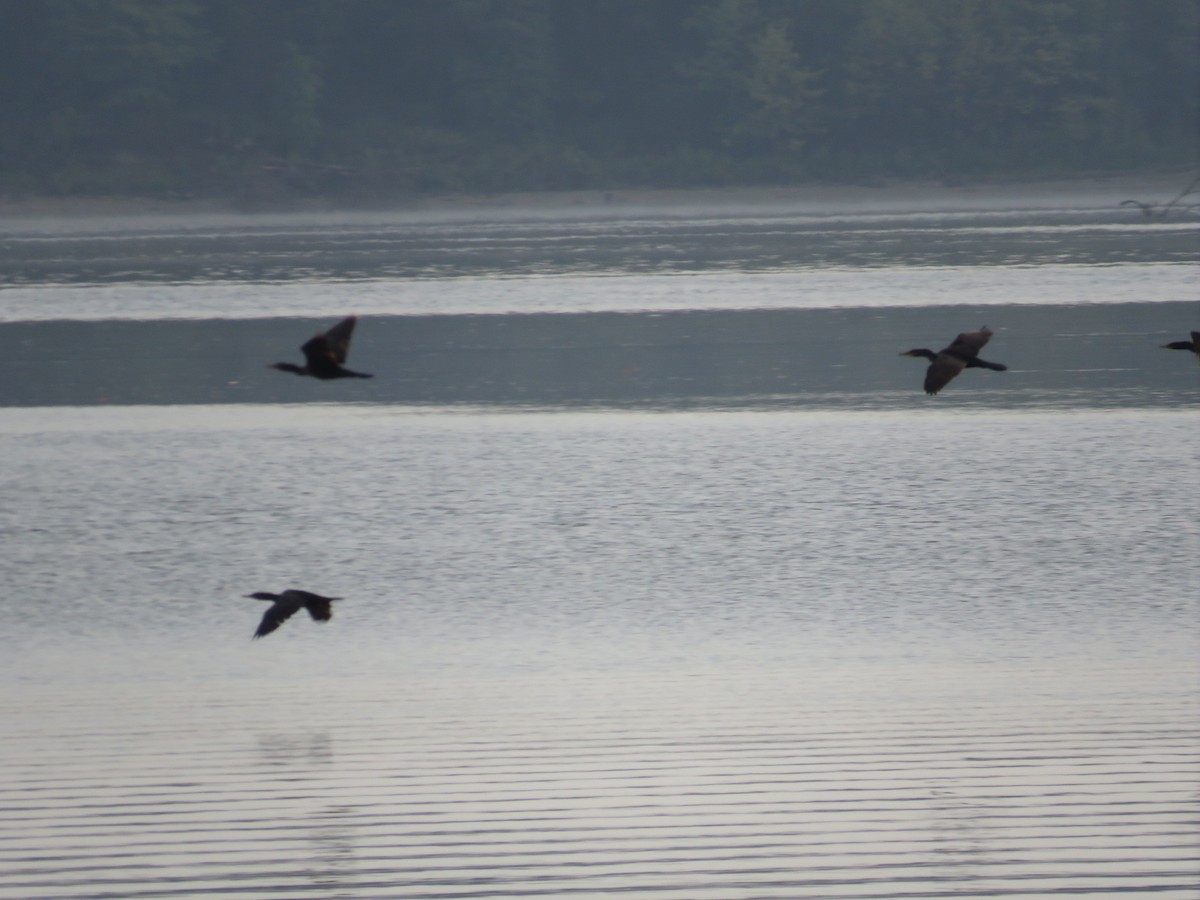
column 325, row 352
column 1149, row 210
column 1154, row 211
column 1193, row 344
column 946, row 364
column 287, row 604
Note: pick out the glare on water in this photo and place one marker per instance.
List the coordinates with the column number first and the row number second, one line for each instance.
column 761, row 620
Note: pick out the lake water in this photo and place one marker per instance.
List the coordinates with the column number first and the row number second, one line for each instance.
column 661, row 575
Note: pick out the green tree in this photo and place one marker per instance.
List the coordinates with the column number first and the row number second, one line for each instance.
column 615, row 64
column 91, row 83
column 492, row 94
column 783, row 109
column 259, row 87
column 751, row 89
column 971, row 83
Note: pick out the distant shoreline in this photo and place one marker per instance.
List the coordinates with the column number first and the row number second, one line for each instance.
column 1096, row 190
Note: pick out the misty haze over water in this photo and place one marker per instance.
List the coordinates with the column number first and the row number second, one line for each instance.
column 661, row 575
column 803, row 301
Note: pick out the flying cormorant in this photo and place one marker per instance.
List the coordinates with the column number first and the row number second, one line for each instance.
column 287, row 604
column 325, row 352
column 1193, row 344
column 946, row 364
column 1149, row 210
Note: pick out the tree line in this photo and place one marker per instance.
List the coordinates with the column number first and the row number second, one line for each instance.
column 391, row 97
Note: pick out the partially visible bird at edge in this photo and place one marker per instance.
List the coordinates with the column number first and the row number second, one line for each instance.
column 1193, row 345
column 1155, row 211
column 947, row 364
column 325, row 353
column 287, row 604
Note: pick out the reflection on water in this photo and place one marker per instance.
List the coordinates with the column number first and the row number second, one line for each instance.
column 705, row 654
column 690, row 593
column 713, row 785
column 764, row 261
column 882, row 289
column 1075, row 355
column 660, row 246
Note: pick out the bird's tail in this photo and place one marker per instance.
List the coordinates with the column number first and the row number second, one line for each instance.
column 984, row 364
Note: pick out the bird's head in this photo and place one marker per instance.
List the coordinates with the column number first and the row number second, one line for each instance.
column 921, row 352
column 259, row 595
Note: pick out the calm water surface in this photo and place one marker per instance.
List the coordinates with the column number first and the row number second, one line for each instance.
column 643, row 594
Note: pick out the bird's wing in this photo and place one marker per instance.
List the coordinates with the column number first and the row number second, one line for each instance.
column 320, row 609
column 1196, row 338
column 300, row 596
column 337, row 338
column 969, row 343
column 941, row 372
column 279, row 612
column 318, row 353
column 329, row 346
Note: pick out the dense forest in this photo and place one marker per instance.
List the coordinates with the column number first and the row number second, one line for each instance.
column 386, row 98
